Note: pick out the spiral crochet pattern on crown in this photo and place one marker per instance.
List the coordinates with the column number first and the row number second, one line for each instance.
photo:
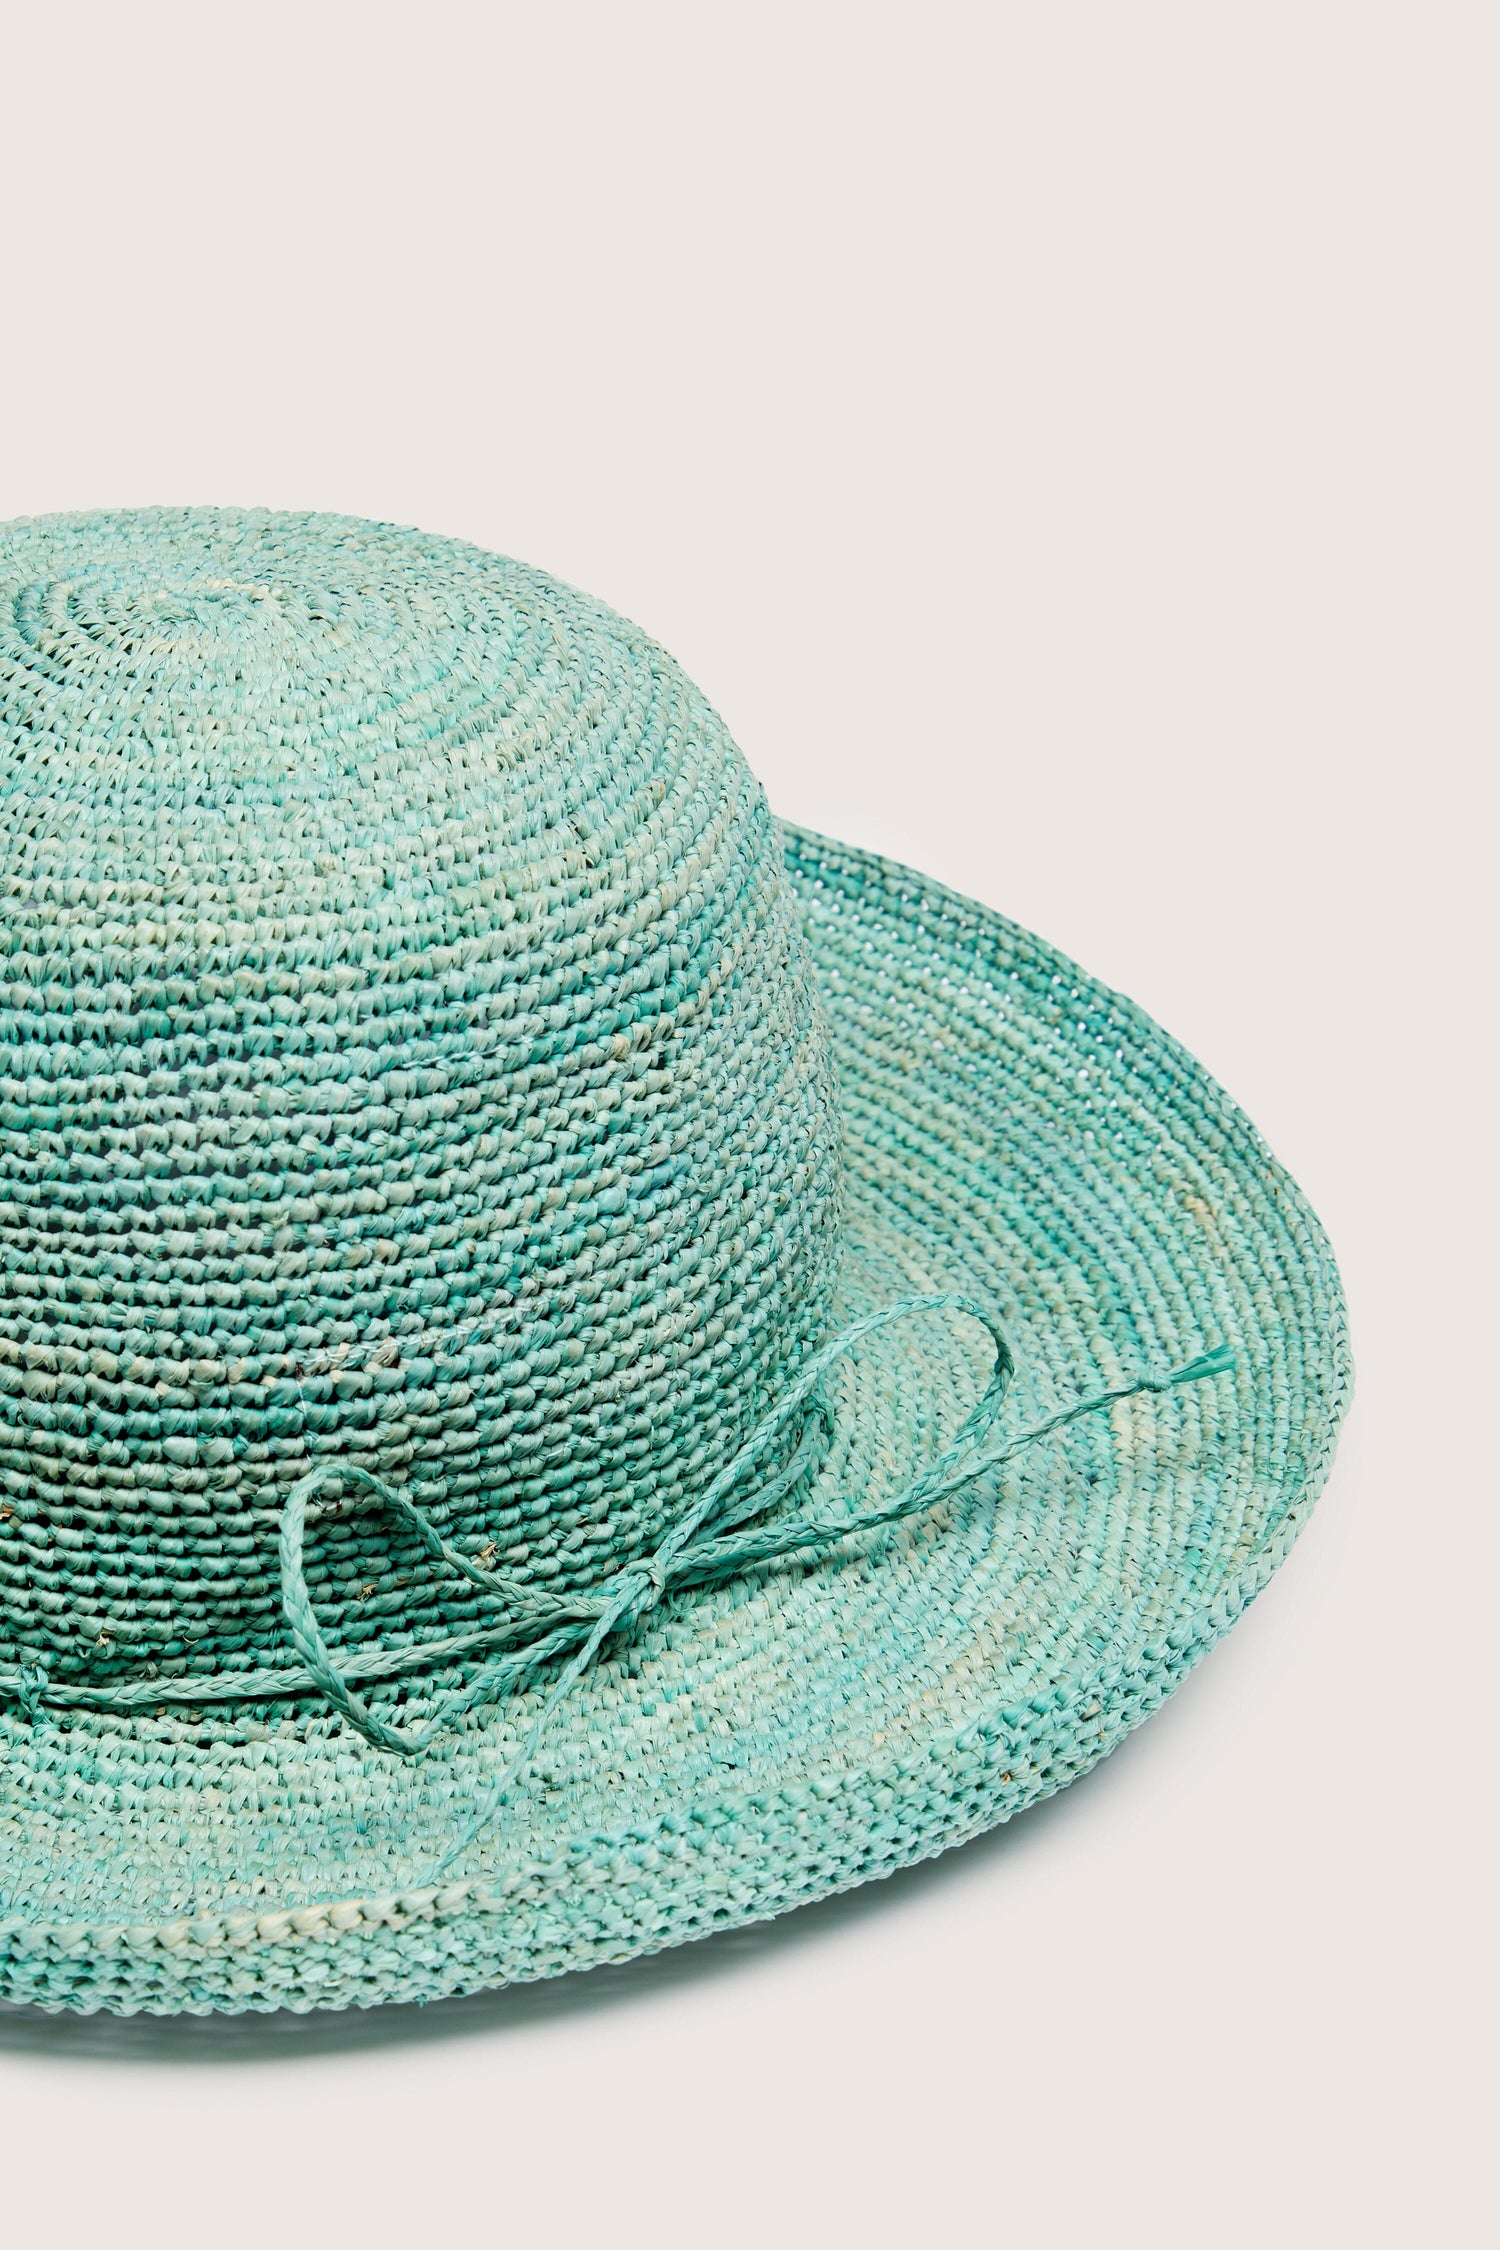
column 407, row 1059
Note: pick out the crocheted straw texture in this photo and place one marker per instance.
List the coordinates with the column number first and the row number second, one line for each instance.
column 415, row 1058
column 409, row 1058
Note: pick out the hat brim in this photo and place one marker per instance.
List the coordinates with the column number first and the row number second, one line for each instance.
column 1013, row 1130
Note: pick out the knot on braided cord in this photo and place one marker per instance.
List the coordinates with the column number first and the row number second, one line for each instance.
column 654, row 1572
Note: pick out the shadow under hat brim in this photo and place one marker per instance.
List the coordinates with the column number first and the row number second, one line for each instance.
column 1012, row 1130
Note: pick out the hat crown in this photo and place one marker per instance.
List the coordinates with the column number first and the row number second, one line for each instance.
column 408, row 1059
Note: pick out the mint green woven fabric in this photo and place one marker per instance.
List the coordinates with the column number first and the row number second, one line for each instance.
column 530, row 1294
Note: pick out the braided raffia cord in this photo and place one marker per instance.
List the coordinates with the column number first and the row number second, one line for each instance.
column 407, row 1060
column 548, row 1626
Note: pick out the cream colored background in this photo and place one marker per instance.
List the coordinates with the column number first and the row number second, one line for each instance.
column 1062, row 442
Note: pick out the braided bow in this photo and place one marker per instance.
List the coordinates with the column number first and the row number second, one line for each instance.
column 720, row 1536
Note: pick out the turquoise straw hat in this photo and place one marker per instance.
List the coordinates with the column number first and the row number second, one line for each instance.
column 577, row 1367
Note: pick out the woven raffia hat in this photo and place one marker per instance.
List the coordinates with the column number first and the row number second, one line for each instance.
column 576, row 1367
